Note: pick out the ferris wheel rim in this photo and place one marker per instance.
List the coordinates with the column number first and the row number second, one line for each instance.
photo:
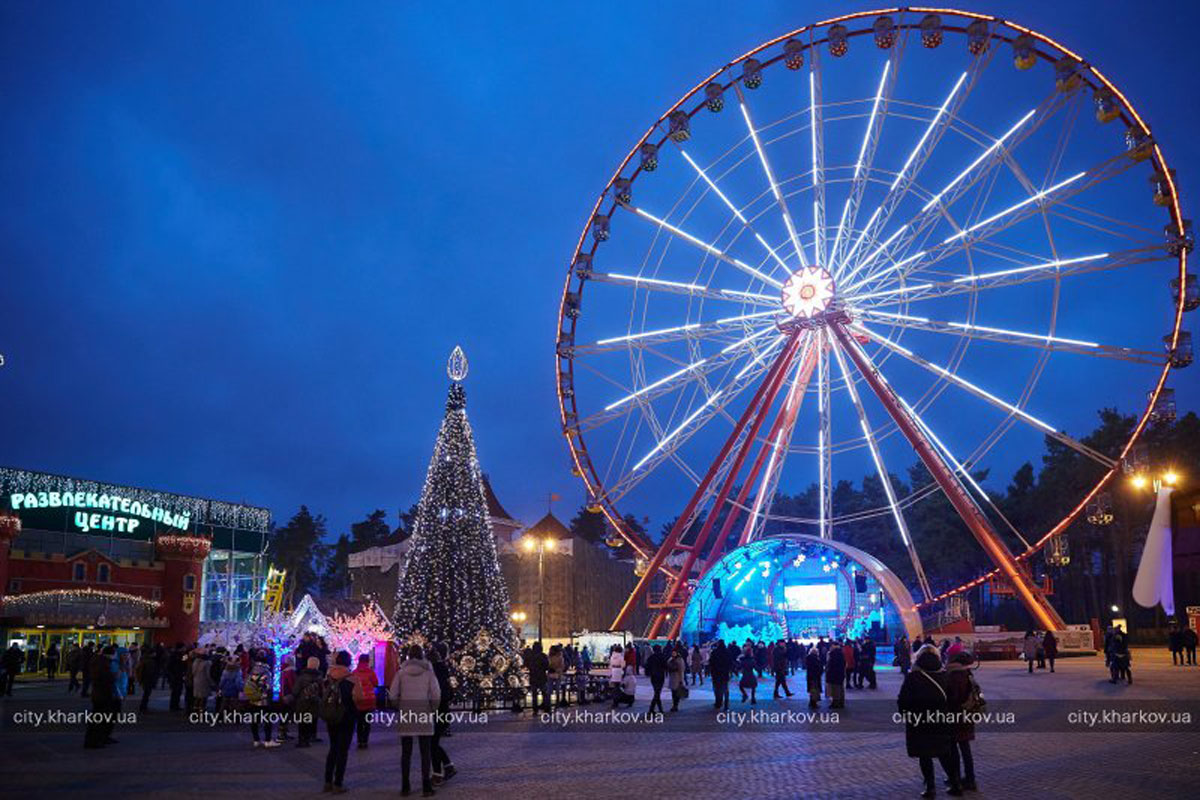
column 568, row 408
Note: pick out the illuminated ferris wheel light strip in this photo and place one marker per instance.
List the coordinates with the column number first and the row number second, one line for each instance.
column 862, row 236
column 914, row 288
column 1038, row 337
column 691, row 417
column 695, row 287
column 979, row 160
column 741, row 317
column 646, row 334
column 758, row 359
column 736, row 345
column 928, row 130
column 762, row 156
column 706, row 246
column 732, row 207
column 892, row 268
column 1010, row 209
column 754, row 295
column 657, row 383
column 963, row 382
column 862, row 151
column 1062, row 262
column 812, row 126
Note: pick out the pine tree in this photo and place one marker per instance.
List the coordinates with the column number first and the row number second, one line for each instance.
column 452, row 590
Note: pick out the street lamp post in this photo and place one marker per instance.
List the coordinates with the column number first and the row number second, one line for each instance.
column 530, row 543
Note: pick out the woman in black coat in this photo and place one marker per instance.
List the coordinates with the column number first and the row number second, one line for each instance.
column 927, row 730
column 960, row 688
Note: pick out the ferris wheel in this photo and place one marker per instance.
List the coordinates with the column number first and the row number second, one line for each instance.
column 894, row 236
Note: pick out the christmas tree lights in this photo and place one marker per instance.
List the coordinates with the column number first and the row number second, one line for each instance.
column 451, row 589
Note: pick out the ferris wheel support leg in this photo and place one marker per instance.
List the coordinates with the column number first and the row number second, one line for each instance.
column 756, row 407
column 972, row 515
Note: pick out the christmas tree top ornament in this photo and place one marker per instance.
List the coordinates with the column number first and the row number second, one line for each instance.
column 456, row 367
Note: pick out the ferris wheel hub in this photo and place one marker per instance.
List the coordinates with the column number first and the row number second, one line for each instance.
column 808, row 292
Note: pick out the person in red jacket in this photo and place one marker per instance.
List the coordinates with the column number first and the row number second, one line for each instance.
column 365, row 683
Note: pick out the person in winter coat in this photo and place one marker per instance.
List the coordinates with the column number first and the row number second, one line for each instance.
column 287, row 696
column 104, row 699
column 364, row 698
column 51, row 661
column 903, row 655
column 539, row 677
column 656, row 671
column 835, row 676
column 631, row 657
column 147, row 671
column 1175, row 645
column 555, row 684
column 866, row 665
column 257, row 688
column 12, row 661
column 677, row 676
column 1029, row 648
column 417, row 695
column 1120, row 658
column 720, row 669
column 780, row 666
column 922, row 694
column 760, row 659
column 439, row 761
column 176, row 668
column 849, row 649
column 308, row 700
column 749, row 681
column 341, row 731
column 1189, row 645
column 697, row 666
column 230, row 686
column 201, row 679
column 960, row 689
column 625, row 692
column 812, row 671
column 616, row 666
column 72, row 664
column 1050, row 648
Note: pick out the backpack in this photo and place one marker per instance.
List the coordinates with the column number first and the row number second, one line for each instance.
column 309, row 700
column 254, row 689
column 331, row 709
column 975, row 700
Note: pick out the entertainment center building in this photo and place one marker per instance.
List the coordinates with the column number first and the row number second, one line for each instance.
column 86, row 561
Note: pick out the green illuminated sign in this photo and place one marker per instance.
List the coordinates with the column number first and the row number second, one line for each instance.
column 123, row 519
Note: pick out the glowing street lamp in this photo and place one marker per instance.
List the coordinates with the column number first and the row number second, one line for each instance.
column 531, row 543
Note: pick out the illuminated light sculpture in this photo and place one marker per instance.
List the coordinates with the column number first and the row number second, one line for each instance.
column 741, row 393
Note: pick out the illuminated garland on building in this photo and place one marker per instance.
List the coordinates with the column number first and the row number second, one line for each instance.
column 199, row 510
column 80, row 595
column 194, row 547
column 451, row 589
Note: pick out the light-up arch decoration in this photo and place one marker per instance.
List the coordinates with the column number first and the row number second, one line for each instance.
column 705, row 611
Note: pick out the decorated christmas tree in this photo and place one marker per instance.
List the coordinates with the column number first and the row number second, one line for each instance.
column 451, row 589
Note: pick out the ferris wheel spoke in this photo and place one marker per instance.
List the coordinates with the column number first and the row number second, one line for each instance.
column 766, row 166
column 1035, row 340
column 824, row 425
column 862, row 168
column 718, row 331
column 736, row 211
column 884, row 476
column 703, row 245
column 683, row 287
column 986, row 396
column 1012, row 276
column 816, row 125
column 978, row 170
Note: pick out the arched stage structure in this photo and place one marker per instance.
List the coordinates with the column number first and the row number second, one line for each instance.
column 801, row 586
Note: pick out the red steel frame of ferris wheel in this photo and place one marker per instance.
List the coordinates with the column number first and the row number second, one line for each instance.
column 781, row 419
column 1029, row 594
column 755, row 408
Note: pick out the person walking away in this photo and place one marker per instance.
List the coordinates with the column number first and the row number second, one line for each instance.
column 13, row 658
column 1121, row 658
column 1175, row 644
column 365, row 684
column 903, row 658
column 439, row 762
column 720, row 669
column 147, row 676
column 132, row 659
column 539, row 675
column 760, row 659
column 555, row 674
column 849, row 649
column 1029, row 648
column 1041, row 652
column 922, row 699
column 338, row 710
column 104, row 699
column 677, row 676
column 1050, row 648
column 812, row 671
column 176, row 670
column 835, row 676
column 616, row 668
column 965, row 699
column 748, row 666
column 656, row 671
column 257, row 689
column 868, row 662
column 74, row 656
column 230, row 686
column 415, row 688
column 697, row 666
column 1189, row 645
column 793, row 656
column 52, row 656
column 858, row 665
column 631, row 657
column 201, row 671
column 308, row 701
column 780, row 667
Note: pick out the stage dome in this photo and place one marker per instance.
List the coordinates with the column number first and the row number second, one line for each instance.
column 801, row 586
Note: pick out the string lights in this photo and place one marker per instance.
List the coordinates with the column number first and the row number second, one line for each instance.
column 82, row 595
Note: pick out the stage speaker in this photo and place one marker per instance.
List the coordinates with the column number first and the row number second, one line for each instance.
column 717, row 588
column 860, row 581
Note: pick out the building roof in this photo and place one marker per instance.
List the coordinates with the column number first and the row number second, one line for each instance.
column 549, row 526
column 495, row 510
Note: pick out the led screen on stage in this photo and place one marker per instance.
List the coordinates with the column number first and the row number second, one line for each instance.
column 811, row 597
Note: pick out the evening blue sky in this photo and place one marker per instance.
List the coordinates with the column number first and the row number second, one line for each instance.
column 240, row 240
